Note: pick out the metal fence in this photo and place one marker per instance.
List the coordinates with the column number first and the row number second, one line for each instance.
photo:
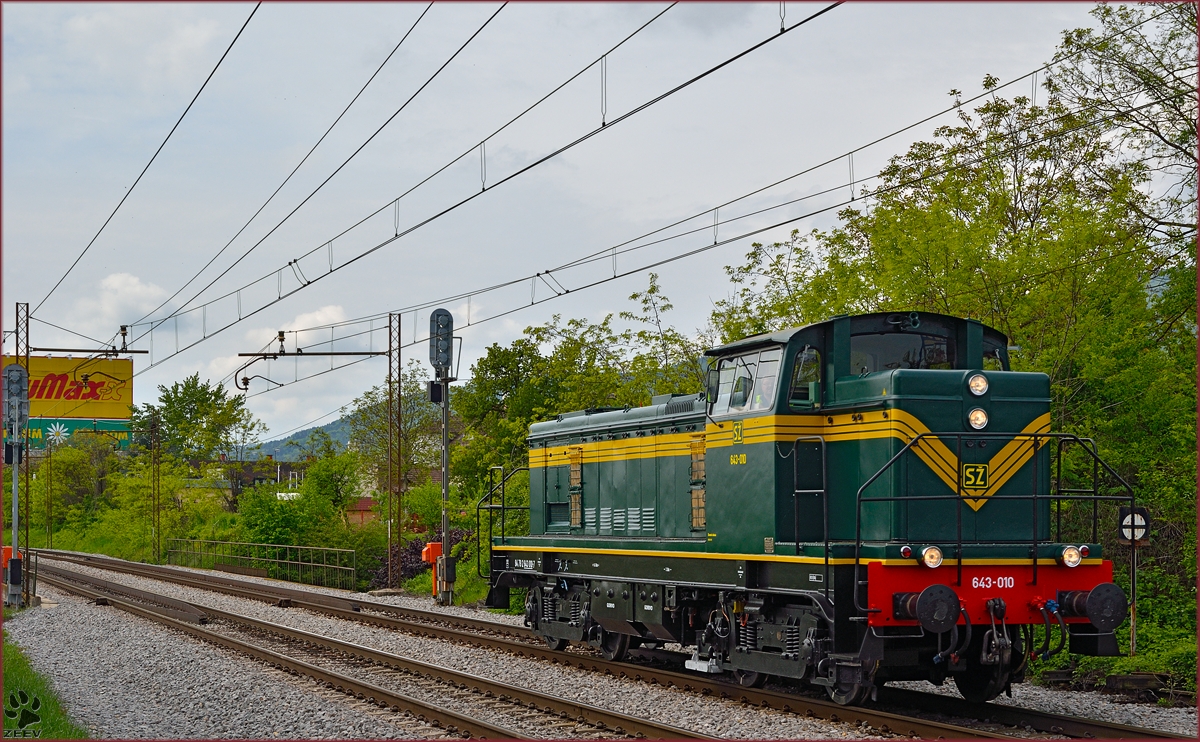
column 310, row 565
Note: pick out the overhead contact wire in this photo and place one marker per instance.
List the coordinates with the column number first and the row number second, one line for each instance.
column 151, row 162
column 294, row 170
column 347, row 161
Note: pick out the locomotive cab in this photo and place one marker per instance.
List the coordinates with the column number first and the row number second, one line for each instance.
column 860, row 500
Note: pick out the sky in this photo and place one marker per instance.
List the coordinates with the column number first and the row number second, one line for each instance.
column 90, row 91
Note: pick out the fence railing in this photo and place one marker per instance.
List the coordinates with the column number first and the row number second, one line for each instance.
column 310, row 565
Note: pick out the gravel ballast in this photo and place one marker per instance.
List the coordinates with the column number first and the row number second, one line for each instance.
column 122, row 677
column 712, row 716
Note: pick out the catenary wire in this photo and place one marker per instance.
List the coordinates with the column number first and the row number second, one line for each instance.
column 354, row 154
column 294, row 170
column 790, row 220
column 706, row 248
column 605, row 253
column 519, row 172
column 151, row 162
column 192, row 345
column 464, row 154
column 957, row 105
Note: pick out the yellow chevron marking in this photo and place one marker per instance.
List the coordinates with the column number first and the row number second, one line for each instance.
column 838, row 427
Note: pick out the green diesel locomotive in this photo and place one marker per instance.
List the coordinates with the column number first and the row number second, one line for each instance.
column 865, row 499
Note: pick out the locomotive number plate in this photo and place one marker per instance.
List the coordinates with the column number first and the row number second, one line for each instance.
column 737, row 458
column 989, row 582
column 975, row 475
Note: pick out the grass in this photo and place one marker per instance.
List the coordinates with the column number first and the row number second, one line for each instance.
column 20, row 678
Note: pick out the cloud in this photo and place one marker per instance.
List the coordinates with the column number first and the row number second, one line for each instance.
column 327, row 314
column 118, row 297
column 160, row 47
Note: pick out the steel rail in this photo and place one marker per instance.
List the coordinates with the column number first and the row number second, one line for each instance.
column 787, row 702
column 343, row 608
column 1042, row 721
column 437, row 716
column 592, row 715
column 238, row 588
column 177, row 609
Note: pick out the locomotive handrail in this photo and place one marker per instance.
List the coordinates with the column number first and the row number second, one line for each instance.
column 491, row 507
column 823, row 492
column 1056, row 495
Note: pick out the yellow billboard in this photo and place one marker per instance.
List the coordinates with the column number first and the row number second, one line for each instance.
column 93, row 388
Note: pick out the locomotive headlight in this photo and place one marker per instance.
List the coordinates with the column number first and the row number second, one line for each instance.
column 978, row 418
column 931, row 556
column 1071, row 556
column 978, row 384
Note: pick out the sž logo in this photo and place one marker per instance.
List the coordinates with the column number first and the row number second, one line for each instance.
column 21, row 711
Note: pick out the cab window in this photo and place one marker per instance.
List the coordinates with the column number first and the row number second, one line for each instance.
column 806, row 370
column 995, row 356
column 889, row 350
column 748, row 382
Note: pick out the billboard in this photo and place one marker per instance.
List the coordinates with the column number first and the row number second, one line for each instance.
column 77, row 388
column 47, row 431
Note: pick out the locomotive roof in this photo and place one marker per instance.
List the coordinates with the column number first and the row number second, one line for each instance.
column 871, row 322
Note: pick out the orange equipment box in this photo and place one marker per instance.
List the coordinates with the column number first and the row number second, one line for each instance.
column 430, row 554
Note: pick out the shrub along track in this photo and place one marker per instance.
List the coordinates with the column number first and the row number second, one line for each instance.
column 522, row 642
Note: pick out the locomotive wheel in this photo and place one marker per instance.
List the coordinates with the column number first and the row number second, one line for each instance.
column 614, row 646
column 981, row 683
column 846, row 696
column 750, row 678
column 555, row 643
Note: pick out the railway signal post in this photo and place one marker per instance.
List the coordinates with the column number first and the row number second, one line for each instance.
column 441, row 345
column 16, row 415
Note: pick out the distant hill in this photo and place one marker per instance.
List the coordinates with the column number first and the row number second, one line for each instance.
column 338, row 430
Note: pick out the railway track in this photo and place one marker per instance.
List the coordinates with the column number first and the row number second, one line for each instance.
column 341, row 665
column 520, row 641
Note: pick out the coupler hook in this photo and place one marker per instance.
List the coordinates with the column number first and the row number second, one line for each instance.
column 997, row 648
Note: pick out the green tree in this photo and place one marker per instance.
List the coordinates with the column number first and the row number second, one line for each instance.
column 1033, row 220
column 1139, row 68
column 333, row 478
column 563, row 366
column 418, row 425
column 199, row 419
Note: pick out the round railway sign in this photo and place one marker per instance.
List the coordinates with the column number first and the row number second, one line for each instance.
column 1134, row 526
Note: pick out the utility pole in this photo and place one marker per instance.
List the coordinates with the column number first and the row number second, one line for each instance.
column 22, row 348
column 395, row 468
column 155, row 494
column 441, row 350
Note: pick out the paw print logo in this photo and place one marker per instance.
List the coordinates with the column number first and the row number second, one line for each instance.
column 23, row 709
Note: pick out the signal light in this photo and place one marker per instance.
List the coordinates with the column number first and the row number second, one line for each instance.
column 931, row 556
column 978, row 418
column 1084, row 550
column 441, row 341
column 1071, row 556
column 906, row 551
column 978, row 384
